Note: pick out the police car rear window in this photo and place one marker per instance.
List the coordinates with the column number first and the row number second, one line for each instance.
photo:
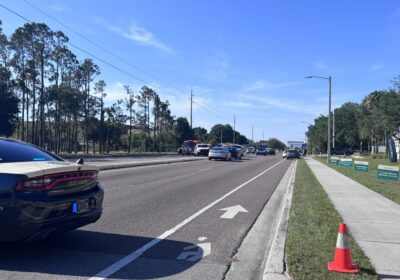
column 13, row 151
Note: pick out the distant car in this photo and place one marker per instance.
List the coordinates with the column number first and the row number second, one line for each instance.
column 293, row 154
column 201, row 149
column 41, row 193
column 251, row 150
column 261, row 151
column 240, row 148
column 188, row 148
column 271, row 152
column 341, row 151
column 220, row 152
column 180, row 150
column 235, row 152
column 284, row 154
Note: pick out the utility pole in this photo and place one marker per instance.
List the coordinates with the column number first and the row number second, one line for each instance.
column 234, row 127
column 191, row 109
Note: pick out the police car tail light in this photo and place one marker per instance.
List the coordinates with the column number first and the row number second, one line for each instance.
column 47, row 182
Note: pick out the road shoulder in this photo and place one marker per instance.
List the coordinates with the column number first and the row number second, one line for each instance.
column 266, row 235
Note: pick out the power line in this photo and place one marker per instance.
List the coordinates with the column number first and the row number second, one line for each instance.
column 205, row 108
column 218, row 116
column 15, row 13
column 211, row 112
column 82, row 50
column 105, row 50
column 99, row 46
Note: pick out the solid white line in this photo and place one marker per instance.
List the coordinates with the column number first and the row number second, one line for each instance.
column 136, row 254
column 116, row 188
column 205, row 169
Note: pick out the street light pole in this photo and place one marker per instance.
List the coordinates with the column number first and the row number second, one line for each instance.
column 329, row 121
column 333, row 128
column 328, row 158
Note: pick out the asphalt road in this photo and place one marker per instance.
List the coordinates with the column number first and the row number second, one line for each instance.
column 153, row 218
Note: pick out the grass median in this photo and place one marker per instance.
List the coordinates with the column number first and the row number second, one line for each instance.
column 312, row 233
column 389, row 189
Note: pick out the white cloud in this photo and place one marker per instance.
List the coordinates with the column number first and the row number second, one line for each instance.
column 179, row 103
column 287, row 105
column 257, row 85
column 59, row 8
column 141, row 36
column 114, row 92
column 215, row 66
column 320, row 65
column 376, row 67
column 272, row 102
column 263, row 85
column 238, row 104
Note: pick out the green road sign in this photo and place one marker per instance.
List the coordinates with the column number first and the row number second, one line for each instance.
column 346, row 162
column 386, row 172
column 361, row 166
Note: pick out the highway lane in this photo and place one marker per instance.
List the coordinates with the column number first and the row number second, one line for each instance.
column 143, row 203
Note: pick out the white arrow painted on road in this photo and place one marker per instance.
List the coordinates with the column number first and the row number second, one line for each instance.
column 231, row 212
column 201, row 250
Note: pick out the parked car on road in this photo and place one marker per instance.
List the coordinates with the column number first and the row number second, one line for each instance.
column 201, row 149
column 261, row 151
column 284, row 153
column 180, row 150
column 41, row 193
column 251, row 150
column 293, row 154
column 271, row 152
column 188, row 147
column 220, row 152
column 240, row 148
column 235, row 152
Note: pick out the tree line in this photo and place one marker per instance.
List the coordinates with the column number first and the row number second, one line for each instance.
column 360, row 126
column 52, row 99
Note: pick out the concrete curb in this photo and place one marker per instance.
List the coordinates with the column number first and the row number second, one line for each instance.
column 252, row 252
column 146, row 163
column 275, row 263
column 102, row 156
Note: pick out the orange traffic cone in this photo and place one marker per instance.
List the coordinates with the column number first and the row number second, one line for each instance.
column 342, row 261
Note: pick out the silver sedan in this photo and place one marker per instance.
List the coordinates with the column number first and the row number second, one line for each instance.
column 220, row 153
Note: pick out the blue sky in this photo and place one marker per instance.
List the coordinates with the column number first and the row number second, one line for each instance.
column 243, row 58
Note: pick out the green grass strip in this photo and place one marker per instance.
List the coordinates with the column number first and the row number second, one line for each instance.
column 389, row 189
column 312, row 233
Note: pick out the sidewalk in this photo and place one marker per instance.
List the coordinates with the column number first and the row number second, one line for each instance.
column 373, row 220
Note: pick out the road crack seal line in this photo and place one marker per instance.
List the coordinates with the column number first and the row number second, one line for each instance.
column 107, row 272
